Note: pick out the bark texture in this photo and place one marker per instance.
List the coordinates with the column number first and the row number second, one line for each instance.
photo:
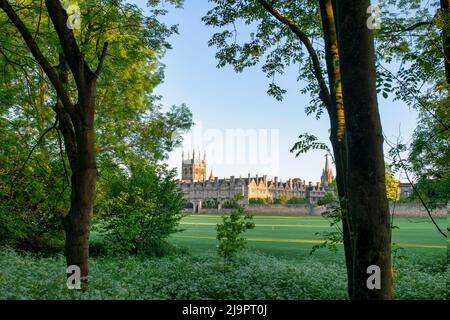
column 337, row 125
column 366, row 189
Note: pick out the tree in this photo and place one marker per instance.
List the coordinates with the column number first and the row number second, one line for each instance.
column 283, row 31
column 74, row 91
column 422, row 81
column 329, row 198
column 229, row 232
column 366, row 187
column 429, row 156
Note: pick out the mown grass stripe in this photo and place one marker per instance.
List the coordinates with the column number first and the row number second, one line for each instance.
column 260, row 225
column 218, row 216
column 257, row 239
column 310, row 241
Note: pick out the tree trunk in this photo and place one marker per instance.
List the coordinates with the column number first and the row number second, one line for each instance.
column 337, row 125
column 84, row 177
column 78, row 221
column 79, row 140
column 366, row 189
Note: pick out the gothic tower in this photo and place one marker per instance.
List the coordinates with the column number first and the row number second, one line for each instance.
column 193, row 169
column 327, row 174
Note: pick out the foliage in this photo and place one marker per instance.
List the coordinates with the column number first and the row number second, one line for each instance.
column 430, row 155
column 412, row 37
column 282, row 199
column 329, row 198
column 261, row 201
column 249, row 36
column 31, row 198
column 140, row 209
column 392, row 187
column 130, row 122
column 254, row 277
column 334, row 236
column 295, row 200
column 308, row 142
column 230, row 230
column 212, row 203
column 435, row 192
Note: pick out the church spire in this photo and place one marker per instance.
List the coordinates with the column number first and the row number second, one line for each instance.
column 327, row 165
column 211, row 177
column 327, row 174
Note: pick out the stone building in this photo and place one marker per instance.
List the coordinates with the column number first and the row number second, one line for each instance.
column 193, row 169
column 327, row 175
column 406, row 189
column 199, row 190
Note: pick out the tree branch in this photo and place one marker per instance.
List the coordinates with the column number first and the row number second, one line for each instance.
column 34, row 148
column 317, row 69
column 36, row 52
column 69, row 45
column 411, row 28
column 101, row 60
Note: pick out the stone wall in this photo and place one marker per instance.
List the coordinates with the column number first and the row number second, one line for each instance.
column 417, row 210
column 274, row 209
column 400, row 210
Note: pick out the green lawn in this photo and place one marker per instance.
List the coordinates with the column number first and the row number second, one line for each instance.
column 291, row 238
column 276, row 265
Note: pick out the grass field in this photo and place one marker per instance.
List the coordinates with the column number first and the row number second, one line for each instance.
column 292, row 238
column 276, row 265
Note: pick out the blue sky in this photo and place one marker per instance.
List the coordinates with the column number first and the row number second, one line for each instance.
column 222, row 100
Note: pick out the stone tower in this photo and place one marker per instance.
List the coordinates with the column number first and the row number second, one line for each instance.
column 327, row 174
column 193, row 169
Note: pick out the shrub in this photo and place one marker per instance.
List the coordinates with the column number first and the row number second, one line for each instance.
column 295, row 200
column 230, row 230
column 141, row 209
column 31, row 211
column 262, row 201
column 329, row 198
column 211, row 204
column 282, row 199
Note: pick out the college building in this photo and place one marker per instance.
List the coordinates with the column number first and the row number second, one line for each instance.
column 199, row 189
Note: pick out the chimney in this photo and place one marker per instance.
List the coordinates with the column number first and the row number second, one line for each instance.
column 232, row 180
column 265, row 180
column 257, row 179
